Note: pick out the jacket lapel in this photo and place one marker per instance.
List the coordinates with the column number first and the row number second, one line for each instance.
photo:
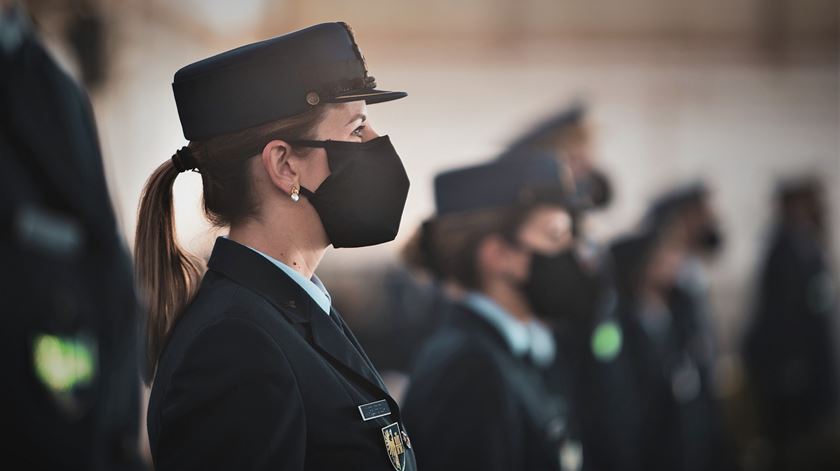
column 355, row 342
column 253, row 271
column 332, row 342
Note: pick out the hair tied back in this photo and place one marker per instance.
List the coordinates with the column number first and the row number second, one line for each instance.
column 184, row 160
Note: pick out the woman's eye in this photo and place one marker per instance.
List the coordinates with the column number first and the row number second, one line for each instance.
column 358, row 131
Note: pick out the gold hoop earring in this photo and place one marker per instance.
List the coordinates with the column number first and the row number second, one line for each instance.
column 295, row 194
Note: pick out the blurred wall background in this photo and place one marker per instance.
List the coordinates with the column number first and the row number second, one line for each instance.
column 739, row 93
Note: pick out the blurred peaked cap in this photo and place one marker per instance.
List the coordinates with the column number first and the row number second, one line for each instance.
column 273, row 79
column 501, row 184
column 668, row 204
column 555, row 124
column 797, row 186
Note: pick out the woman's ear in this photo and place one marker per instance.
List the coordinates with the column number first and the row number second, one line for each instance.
column 279, row 166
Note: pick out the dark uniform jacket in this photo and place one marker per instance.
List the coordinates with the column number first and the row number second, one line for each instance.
column 651, row 407
column 790, row 349
column 256, row 376
column 473, row 405
column 69, row 339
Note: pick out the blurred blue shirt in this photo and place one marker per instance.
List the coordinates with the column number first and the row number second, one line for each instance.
column 531, row 338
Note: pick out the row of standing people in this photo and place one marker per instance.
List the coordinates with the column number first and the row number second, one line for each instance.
column 536, row 366
column 551, row 352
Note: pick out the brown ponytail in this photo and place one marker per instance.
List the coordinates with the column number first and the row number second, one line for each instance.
column 167, row 275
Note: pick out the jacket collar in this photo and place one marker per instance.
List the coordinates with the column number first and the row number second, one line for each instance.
column 253, row 271
column 531, row 340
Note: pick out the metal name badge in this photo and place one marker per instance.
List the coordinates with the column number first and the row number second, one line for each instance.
column 374, row 410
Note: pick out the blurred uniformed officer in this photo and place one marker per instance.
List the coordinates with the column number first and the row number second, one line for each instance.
column 580, row 282
column 477, row 397
column 646, row 395
column 568, row 137
column 579, row 286
column 790, row 347
column 628, row 410
column 686, row 212
column 69, row 338
column 688, row 208
column 252, row 367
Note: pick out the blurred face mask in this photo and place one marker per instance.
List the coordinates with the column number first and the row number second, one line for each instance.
column 594, row 187
column 362, row 200
column 551, row 280
column 709, row 240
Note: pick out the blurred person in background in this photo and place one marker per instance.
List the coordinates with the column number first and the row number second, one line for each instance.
column 688, row 208
column 579, row 288
column 581, row 281
column 687, row 211
column 70, row 331
column 569, row 137
column 790, row 350
column 252, row 366
column 477, row 397
column 647, row 403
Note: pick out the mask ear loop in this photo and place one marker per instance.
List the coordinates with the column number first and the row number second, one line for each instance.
column 307, row 143
column 301, row 190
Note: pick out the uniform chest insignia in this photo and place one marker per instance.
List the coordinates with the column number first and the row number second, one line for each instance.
column 394, row 445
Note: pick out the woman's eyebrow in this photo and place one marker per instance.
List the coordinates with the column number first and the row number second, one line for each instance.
column 361, row 116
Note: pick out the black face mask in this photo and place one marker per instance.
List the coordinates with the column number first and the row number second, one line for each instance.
column 559, row 287
column 549, row 276
column 709, row 240
column 361, row 202
column 596, row 188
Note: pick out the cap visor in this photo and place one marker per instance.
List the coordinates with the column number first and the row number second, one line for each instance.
column 555, row 195
column 369, row 96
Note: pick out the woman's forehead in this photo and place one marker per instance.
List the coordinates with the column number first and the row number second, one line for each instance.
column 348, row 112
column 548, row 215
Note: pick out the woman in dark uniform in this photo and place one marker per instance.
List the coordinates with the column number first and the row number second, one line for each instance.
column 649, row 405
column 252, row 367
column 477, row 399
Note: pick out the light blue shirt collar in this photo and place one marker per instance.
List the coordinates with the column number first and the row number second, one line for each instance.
column 524, row 338
column 14, row 27
column 313, row 287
